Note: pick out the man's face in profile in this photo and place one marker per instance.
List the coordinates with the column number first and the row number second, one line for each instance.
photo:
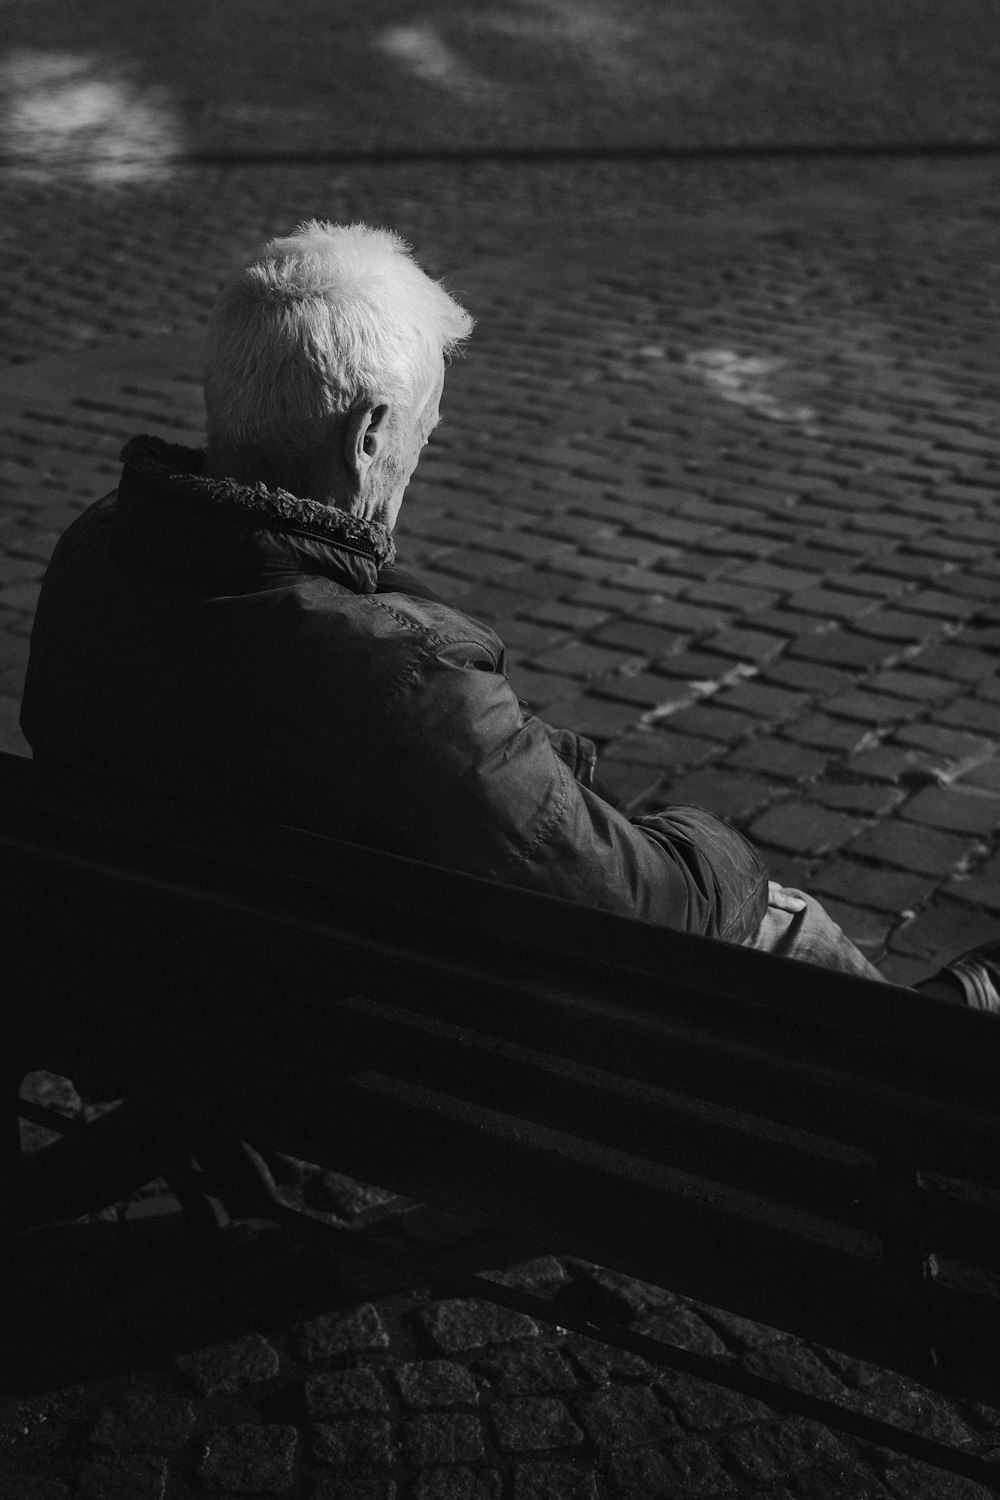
column 414, row 433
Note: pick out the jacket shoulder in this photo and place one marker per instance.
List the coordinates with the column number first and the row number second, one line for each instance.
column 441, row 630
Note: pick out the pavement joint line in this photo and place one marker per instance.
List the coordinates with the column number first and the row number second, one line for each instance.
column 391, row 156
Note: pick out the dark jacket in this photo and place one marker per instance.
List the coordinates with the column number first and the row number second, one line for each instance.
column 250, row 649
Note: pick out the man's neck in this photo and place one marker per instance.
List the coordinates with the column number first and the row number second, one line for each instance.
column 308, row 478
column 275, row 474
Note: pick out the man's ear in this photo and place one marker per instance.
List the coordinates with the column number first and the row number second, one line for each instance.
column 366, row 436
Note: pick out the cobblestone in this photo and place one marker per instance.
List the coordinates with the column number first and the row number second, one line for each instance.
column 363, row 1485
column 690, row 1468
column 790, row 1364
column 981, row 887
column 763, row 700
column 717, row 725
column 578, row 660
column 535, row 1369
column 684, row 1327
column 436, row 1382
column 826, row 733
column 623, row 1417
column 946, row 927
column 867, row 885
column 894, row 764
column 249, row 1460
column 647, row 640
column 970, row 714
column 871, row 797
column 803, row 829
column 139, row 1421
column 730, row 797
column 811, row 677
column 534, row 1422
column 630, row 785
column 839, row 648
column 910, row 847
column 123, row 1478
column 344, row 1391
column 651, row 691
column 443, row 1438
column 905, row 1480
column 831, row 1481
column 541, row 1275
column 612, row 1293
column 31, row 1487
column 458, row 1324
column 336, row 1334
column 986, row 776
column 227, row 1368
column 961, row 749
column 597, row 718
column 458, row 1483
column 550, row 1481
column 868, row 708
column 355, row 1442
column 702, row 1407
column 915, row 1409
column 778, row 758
column 962, row 811
column 769, row 1453
column 603, row 1363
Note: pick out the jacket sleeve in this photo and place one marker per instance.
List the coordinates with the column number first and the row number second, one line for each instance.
column 467, row 780
column 574, row 750
column 578, row 752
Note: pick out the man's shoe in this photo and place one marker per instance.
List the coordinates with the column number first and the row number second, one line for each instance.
column 977, row 973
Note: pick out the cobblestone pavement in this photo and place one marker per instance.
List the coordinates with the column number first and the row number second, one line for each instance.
column 721, row 464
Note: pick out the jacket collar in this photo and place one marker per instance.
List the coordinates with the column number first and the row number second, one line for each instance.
column 162, row 484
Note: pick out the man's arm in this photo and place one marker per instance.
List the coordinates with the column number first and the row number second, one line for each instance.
column 469, row 781
column 576, row 750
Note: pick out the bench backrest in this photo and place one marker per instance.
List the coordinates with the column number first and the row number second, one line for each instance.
column 811, row 1150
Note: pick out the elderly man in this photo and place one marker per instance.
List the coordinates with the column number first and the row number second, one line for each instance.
column 231, row 626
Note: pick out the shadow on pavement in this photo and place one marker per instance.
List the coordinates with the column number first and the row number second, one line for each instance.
column 91, row 1304
column 763, row 151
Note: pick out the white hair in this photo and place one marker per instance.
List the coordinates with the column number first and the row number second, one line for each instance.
column 315, row 322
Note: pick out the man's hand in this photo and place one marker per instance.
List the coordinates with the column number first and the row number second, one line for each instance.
column 782, row 899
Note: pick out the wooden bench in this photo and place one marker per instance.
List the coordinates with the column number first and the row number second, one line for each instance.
column 811, row 1151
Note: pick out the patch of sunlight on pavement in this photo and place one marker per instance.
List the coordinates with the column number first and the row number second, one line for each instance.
column 628, row 53
column 421, row 50
column 579, row 21
column 62, row 112
column 749, row 381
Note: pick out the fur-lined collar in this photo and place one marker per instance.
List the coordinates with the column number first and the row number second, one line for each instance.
column 173, row 467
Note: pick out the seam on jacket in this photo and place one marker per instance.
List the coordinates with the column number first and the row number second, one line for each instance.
column 429, row 638
column 409, row 673
column 738, row 917
column 546, row 829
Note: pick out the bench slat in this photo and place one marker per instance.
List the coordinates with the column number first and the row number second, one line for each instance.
column 820, row 1281
column 594, row 1104
column 250, row 965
